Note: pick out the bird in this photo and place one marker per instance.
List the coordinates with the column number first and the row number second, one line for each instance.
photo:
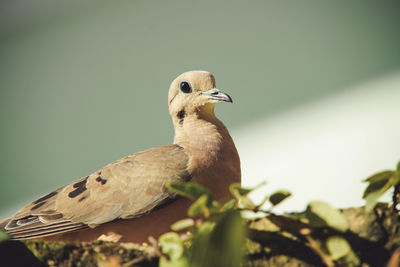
column 129, row 198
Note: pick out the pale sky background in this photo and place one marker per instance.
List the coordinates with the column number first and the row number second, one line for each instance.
column 315, row 88
column 322, row 150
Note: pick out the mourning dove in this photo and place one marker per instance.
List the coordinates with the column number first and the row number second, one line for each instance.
column 129, row 197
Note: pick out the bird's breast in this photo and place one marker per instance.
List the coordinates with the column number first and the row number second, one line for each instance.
column 213, row 158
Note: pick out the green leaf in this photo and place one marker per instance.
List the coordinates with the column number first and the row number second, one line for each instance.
column 241, row 195
column 190, row 190
column 229, row 205
column 238, row 191
column 341, row 251
column 322, row 214
column 182, row 224
column 338, row 247
column 371, row 200
column 171, row 245
column 247, row 203
column 214, row 207
column 398, row 166
column 205, row 228
column 198, row 207
column 279, row 196
column 223, row 245
column 378, row 184
column 4, row 236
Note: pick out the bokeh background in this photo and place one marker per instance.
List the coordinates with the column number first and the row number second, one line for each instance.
column 315, row 84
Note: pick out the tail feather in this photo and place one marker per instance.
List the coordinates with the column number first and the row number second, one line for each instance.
column 37, row 233
column 33, row 228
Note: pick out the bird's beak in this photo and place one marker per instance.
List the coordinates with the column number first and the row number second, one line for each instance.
column 217, row 95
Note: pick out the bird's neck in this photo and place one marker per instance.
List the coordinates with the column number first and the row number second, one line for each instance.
column 204, row 138
column 213, row 159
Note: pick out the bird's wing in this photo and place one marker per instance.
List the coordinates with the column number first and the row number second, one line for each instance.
column 127, row 188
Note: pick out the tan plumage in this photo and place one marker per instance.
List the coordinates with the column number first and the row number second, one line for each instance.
column 133, row 188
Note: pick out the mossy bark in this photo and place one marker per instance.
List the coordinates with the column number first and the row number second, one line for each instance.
column 373, row 236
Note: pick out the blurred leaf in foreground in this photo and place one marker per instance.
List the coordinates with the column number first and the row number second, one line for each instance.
column 190, row 190
column 322, row 214
column 198, row 207
column 182, row 224
column 172, row 246
column 241, row 195
column 223, row 245
column 341, row 251
column 378, row 184
column 238, row 191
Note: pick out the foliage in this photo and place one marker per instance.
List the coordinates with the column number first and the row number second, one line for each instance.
column 380, row 183
column 321, row 214
column 215, row 233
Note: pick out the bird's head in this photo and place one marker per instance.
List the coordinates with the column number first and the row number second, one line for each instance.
column 194, row 92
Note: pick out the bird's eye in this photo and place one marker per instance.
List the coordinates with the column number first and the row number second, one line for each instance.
column 185, row 87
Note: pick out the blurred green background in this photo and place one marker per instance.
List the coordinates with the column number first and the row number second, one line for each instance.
column 85, row 83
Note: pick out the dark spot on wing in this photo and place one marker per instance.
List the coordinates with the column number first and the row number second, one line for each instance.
column 38, row 205
column 181, row 115
column 80, row 188
column 81, row 183
column 101, row 180
column 45, row 197
column 82, row 198
column 77, row 192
